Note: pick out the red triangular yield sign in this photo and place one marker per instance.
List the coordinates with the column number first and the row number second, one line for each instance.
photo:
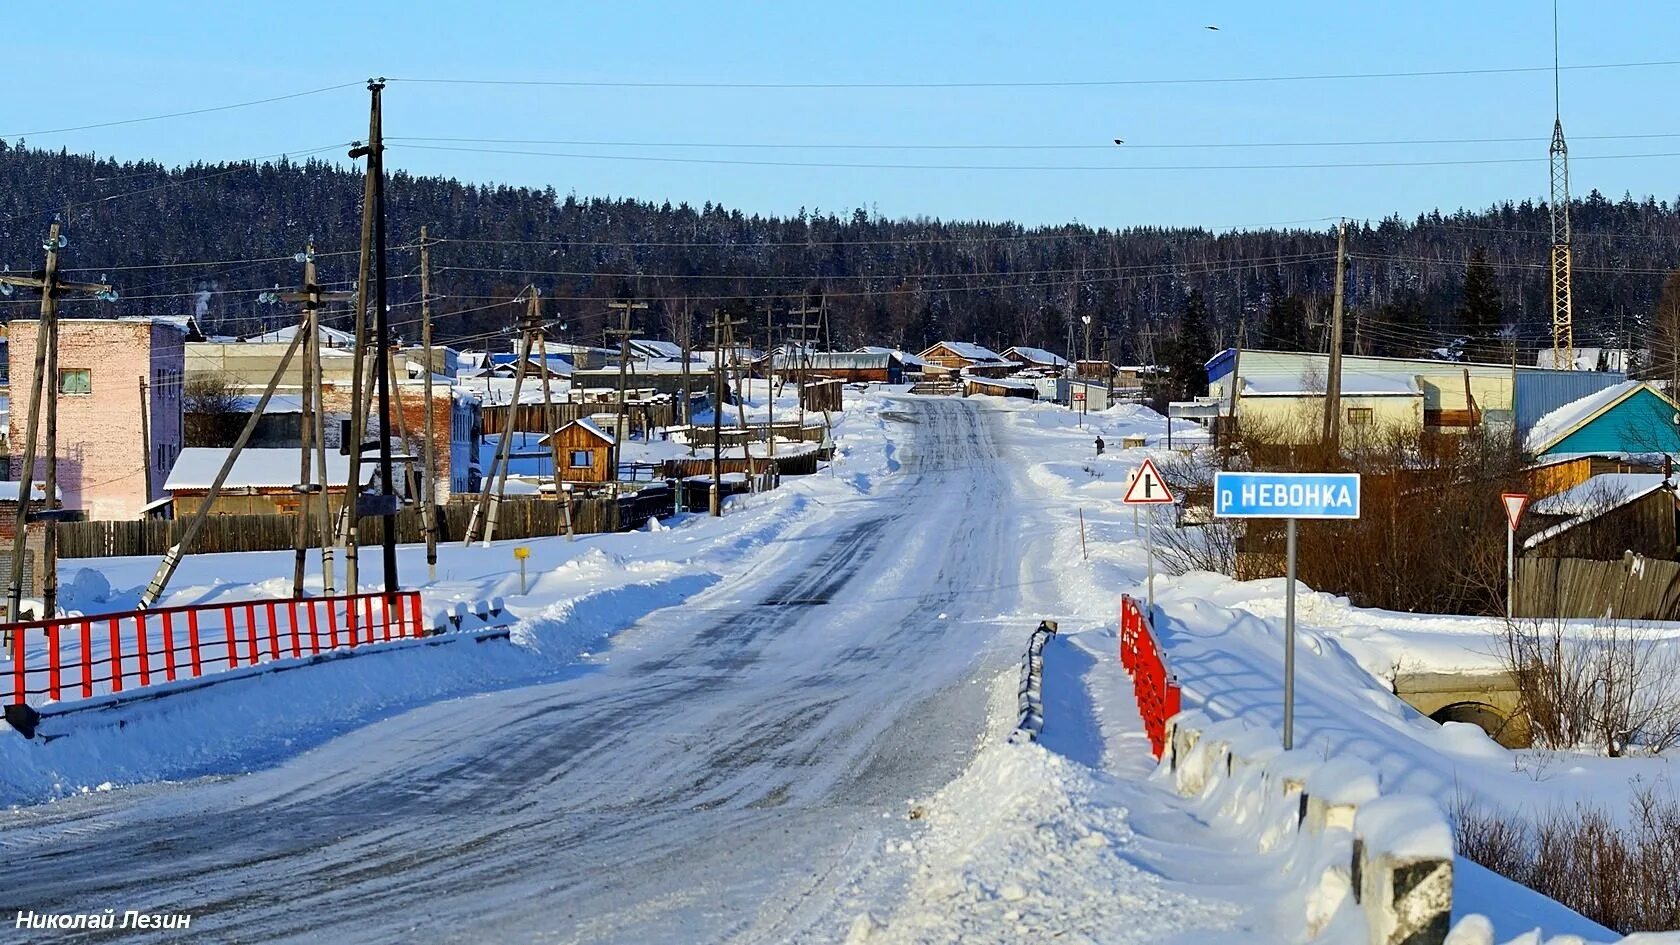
column 1148, row 488
column 1514, row 503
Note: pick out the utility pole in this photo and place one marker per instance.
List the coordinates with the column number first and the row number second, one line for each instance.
column 43, row 381
column 770, row 374
column 172, row 558
column 382, row 362
column 805, row 329
column 428, row 491
column 310, row 296
column 550, row 421
column 488, row 507
column 622, row 332
column 722, row 329
column 146, row 439
column 374, row 152
column 1333, row 384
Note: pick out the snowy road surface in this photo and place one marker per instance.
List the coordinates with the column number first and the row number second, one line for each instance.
column 727, row 775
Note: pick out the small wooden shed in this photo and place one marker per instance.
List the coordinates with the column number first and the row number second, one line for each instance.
column 587, row 452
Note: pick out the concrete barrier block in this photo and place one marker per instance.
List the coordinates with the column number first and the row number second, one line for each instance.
column 1402, row 870
column 1335, row 790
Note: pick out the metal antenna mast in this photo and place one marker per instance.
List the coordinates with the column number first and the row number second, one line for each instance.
column 1563, row 321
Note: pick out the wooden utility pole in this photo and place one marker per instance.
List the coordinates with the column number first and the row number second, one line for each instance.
column 310, row 296
column 1333, row 384
column 622, row 333
column 722, row 328
column 805, row 334
column 172, row 557
column 550, row 420
column 43, row 382
column 373, row 151
column 146, row 440
column 488, row 507
column 770, row 374
column 428, row 451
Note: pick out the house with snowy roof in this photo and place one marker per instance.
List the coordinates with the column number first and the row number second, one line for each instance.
column 587, row 452
column 1629, row 418
column 1604, row 517
column 967, row 358
column 1029, row 357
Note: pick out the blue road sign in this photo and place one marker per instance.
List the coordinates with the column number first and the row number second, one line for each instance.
column 1285, row 495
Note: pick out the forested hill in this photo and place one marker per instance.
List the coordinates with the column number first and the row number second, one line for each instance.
column 904, row 282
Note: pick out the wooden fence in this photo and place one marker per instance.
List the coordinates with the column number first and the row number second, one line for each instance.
column 1634, row 588
column 534, row 418
column 520, row 517
column 701, row 435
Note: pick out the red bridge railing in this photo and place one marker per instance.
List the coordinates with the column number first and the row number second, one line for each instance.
column 72, row 658
column 1158, row 695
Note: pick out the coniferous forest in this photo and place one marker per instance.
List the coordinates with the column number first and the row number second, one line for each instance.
column 904, row 282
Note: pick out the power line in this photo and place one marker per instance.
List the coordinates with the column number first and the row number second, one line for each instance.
column 1104, row 146
column 886, row 165
column 1052, row 83
column 184, row 114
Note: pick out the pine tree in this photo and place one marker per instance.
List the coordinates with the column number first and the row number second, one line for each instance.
column 1188, row 351
column 1285, row 327
column 1481, row 312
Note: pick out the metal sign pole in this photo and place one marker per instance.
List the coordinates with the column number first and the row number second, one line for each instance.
column 1289, row 643
column 1510, row 570
column 1149, row 542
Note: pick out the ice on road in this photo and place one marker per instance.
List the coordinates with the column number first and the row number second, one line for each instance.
column 732, row 773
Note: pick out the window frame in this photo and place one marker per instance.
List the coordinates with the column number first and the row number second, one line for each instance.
column 1361, row 416
column 65, row 372
column 572, row 463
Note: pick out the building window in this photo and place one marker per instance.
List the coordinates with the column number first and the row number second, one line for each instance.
column 1360, row 416
column 75, row 380
column 582, row 459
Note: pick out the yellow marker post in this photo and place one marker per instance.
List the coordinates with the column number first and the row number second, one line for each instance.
column 520, row 553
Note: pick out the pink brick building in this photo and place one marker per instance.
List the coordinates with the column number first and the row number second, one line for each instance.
column 103, row 455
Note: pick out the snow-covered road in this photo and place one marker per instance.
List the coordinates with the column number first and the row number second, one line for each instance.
column 729, row 773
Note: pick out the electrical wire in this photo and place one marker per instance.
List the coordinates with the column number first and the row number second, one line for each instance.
column 883, row 165
column 1128, row 146
column 183, row 114
column 1047, row 83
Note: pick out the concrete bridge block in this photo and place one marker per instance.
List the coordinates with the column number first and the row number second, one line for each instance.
column 1335, row 790
column 1402, row 870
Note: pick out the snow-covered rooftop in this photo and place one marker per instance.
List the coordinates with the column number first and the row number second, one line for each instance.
column 649, row 347
column 906, row 358
column 1037, row 356
column 1354, row 384
column 968, row 350
column 587, row 424
column 37, row 489
column 1555, row 425
column 330, row 337
column 197, row 466
column 1600, row 493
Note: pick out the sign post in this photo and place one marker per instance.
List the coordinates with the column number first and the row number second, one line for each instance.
column 1514, row 503
column 1148, row 488
column 521, row 553
column 1289, row 496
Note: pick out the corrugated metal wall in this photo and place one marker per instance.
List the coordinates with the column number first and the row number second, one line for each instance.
column 1541, row 392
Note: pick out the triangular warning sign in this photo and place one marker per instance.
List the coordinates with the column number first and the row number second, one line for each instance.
column 1148, row 488
column 1514, row 503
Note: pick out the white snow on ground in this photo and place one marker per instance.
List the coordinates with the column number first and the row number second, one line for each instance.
column 740, row 767
column 581, row 592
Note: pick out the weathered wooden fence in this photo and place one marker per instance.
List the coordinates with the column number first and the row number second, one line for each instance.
column 534, row 418
column 1635, row 588
column 701, row 435
column 520, row 517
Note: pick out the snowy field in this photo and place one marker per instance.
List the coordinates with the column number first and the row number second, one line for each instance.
column 786, row 725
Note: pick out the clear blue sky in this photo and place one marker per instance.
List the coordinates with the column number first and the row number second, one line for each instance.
column 107, row 60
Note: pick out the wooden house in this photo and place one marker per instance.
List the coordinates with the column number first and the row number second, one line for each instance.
column 999, row 387
column 966, row 357
column 1603, row 518
column 587, row 452
column 1041, row 358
